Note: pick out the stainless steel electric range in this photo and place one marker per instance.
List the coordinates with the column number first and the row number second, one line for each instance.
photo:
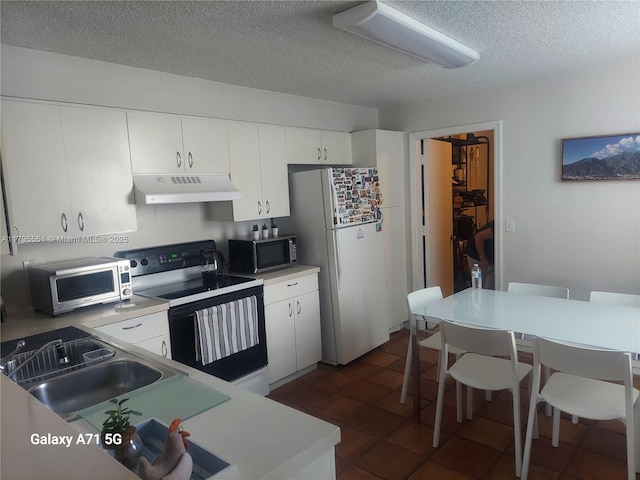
column 174, row 273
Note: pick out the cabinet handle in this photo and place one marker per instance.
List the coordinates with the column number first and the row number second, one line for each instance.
column 259, row 207
column 325, row 154
column 290, row 309
column 81, row 222
column 63, row 222
column 268, row 206
column 319, row 154
column 164, row 348
column 190, row 158
column 132, row 327
column 299, row 307
column 292, row 284
column 179, row 159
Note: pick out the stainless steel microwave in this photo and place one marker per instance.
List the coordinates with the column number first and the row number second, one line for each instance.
column 60, row 287
column 255, row 256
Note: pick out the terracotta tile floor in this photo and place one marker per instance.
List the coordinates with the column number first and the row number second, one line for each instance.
column 381, row 441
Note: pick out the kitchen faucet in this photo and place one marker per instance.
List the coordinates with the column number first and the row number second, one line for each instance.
column 62, row 359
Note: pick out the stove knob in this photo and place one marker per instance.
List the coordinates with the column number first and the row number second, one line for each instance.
column 144, row 262
column 133, row 263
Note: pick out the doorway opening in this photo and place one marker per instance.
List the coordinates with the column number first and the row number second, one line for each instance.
column 455, row 190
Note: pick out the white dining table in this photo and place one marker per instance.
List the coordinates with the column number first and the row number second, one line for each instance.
column 593, row 324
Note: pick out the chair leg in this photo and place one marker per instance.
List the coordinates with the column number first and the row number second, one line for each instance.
column 469, row 403
column 458, row 400
column 555, row 433
column 487, row 395
column 407, row 372
column 439, row 405
column 547, row 375
column 517, row 429
column 532, row 432
column 631, row 448
column 575, row 419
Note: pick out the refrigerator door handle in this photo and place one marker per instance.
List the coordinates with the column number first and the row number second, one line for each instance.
column 337, row 246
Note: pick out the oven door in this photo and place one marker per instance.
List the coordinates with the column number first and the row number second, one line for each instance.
column 183, row 335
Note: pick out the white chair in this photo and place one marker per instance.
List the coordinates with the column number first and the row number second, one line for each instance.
column 625, row 300
column 524, row 342
column 540, row 290
column 578, row 387
column 416, row 301
column 479, row 368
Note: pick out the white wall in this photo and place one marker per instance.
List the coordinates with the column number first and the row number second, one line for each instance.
column 582, row 235
column 41, row 75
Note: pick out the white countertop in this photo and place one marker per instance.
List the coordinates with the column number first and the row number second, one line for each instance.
column 29, row 322
column 284, row 274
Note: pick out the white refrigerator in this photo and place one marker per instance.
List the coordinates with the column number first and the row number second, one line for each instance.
column 335, row 212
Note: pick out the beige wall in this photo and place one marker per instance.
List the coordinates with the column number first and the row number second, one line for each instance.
column 582, row 235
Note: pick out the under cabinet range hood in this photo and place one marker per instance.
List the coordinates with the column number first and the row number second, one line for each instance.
column 153, row 189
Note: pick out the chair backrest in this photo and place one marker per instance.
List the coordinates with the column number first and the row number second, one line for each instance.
column 485, row 341
column 420, row 298
column 582, row 361
column 623, row 299
column 540, row 290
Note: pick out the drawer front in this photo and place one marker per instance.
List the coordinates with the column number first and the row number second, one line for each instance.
column 291, row 288
column 137, row 329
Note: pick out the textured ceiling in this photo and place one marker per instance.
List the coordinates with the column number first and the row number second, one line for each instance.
column 291, row 46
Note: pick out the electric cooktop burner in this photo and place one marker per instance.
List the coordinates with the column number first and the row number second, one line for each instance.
column 192, row 287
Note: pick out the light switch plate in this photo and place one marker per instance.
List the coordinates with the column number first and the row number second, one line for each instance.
column 510, row 225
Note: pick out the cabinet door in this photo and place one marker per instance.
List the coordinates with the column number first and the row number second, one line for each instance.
column 336, row 148
column 206, row 146
column 390, row 162
column 308, row 339
column 36, row 174
column 155, row 140
column 281, row 339
column 275, row 182
column 244, row 155
column 304, row 145
column 160, row 345
column 98, row 170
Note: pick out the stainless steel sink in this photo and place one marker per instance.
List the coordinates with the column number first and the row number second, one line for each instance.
column 87, row 379
column 69, row 393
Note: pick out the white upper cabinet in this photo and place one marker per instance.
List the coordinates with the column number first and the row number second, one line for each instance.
column 244, row 153
column 68, row 170
column 258, row 170
column 273, row 166
column 98, row 170
column 36, row 174
column 309, row 146
column 163, row 143
column 206, row 146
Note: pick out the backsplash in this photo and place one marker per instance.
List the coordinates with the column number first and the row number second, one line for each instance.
column 157, row 225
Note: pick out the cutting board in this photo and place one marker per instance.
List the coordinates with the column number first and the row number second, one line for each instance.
column 174, row 397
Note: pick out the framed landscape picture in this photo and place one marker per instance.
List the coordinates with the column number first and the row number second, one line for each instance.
column 611, row 157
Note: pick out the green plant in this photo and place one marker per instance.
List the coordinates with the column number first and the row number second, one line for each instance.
column 255, row 228
column 273, row 225
column 264, row 226
column 118, row 419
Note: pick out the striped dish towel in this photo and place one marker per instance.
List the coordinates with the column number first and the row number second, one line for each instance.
column 223, row 330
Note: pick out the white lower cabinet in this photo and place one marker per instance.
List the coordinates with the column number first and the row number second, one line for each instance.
column 292, row 317
column 150, row 332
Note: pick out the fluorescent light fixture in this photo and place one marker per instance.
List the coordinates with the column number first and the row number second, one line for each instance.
column 382, row 24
